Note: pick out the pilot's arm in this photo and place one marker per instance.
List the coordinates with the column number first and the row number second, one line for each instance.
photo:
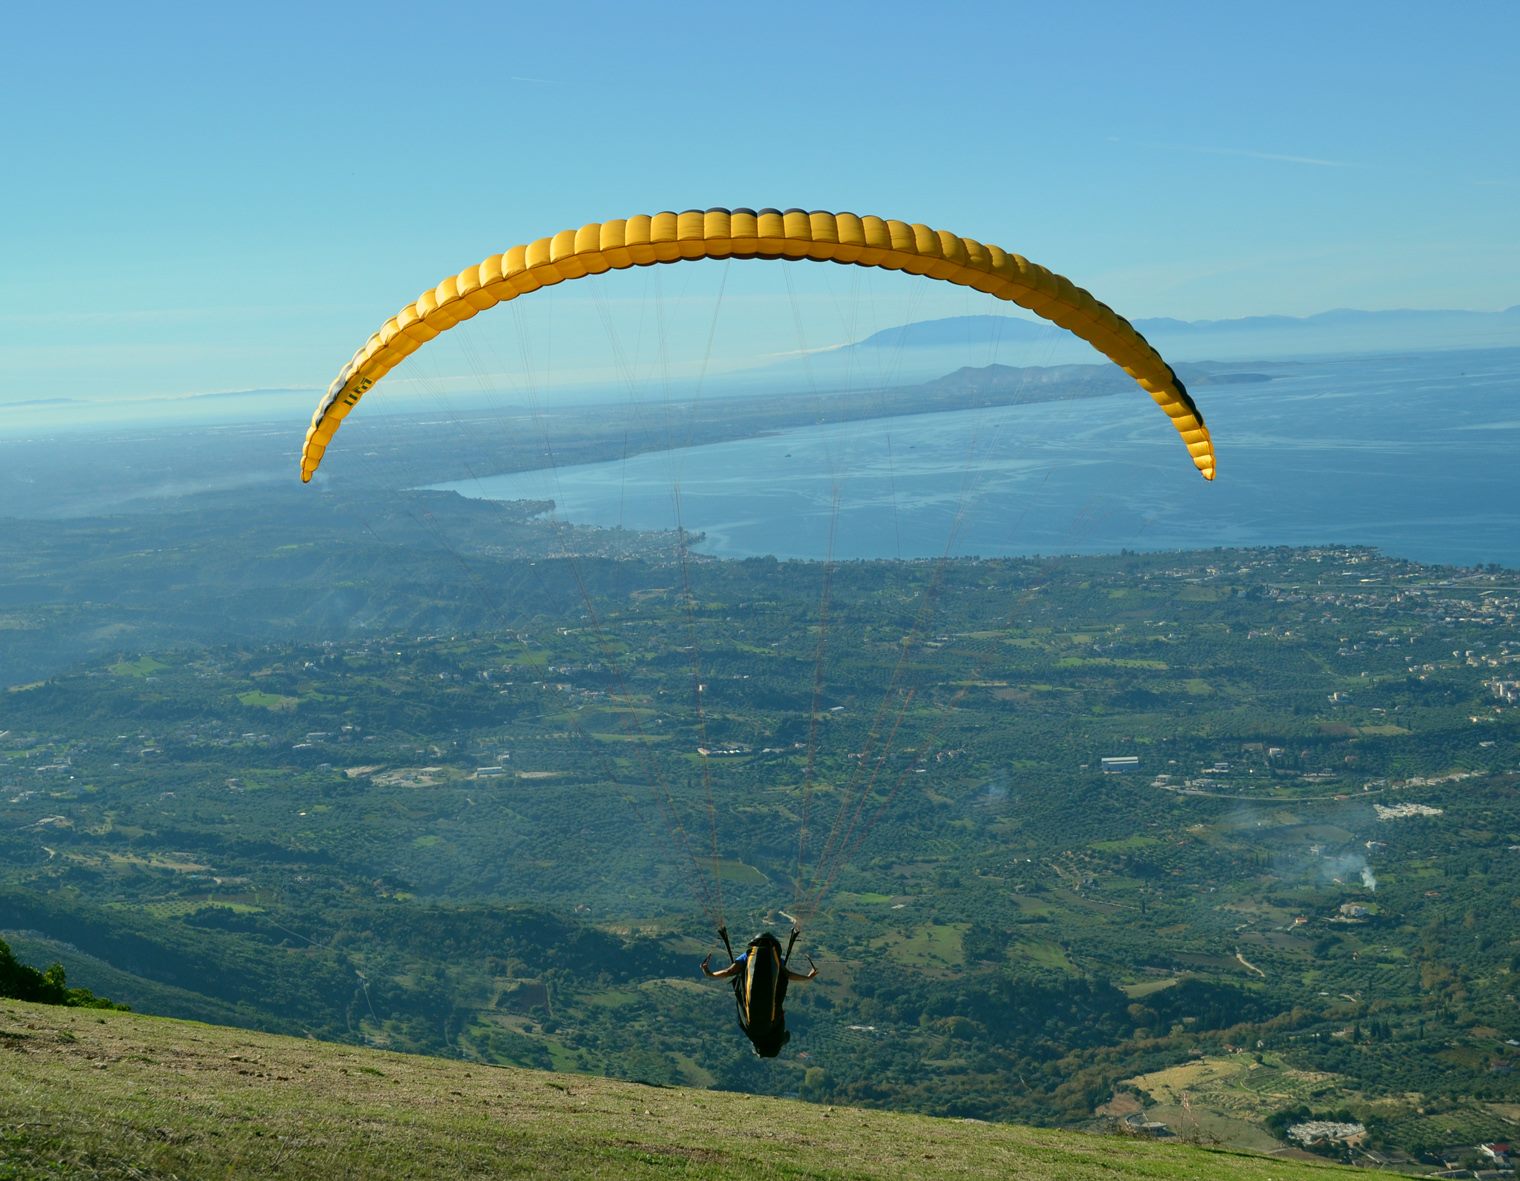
column 725, row 973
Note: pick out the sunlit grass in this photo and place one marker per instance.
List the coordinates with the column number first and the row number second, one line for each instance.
column 143, row 666
column 258, row 699
column 87, row 1094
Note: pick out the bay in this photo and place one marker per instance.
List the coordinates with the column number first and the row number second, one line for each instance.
column 1414, row 455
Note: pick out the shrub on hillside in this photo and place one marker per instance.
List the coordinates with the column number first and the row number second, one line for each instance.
column 24, row 983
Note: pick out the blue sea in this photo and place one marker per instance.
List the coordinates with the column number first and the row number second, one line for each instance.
column 1414, row 455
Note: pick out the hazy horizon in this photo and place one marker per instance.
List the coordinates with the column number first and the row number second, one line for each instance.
column 1257, row 338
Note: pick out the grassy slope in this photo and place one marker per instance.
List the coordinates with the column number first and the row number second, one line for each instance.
column 85, row 1093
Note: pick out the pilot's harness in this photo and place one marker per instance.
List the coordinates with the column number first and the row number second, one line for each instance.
column 741, row 983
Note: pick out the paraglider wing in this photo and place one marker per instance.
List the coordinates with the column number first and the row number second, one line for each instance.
column 767, row 234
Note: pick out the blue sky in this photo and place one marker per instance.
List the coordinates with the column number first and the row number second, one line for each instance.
column 206, row 198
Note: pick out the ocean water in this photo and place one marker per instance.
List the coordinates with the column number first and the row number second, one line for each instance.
column 1418, row 456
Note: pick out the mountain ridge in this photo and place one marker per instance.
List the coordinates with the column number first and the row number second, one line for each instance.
column 105, row 1094
column 924, row 349
column 987, row 328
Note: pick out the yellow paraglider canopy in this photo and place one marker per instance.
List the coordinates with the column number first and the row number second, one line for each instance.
column 771, row 234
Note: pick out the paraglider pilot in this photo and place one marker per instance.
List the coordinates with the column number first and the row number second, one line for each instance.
column 760, row 977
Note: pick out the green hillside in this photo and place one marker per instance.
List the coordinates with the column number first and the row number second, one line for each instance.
column 466, row 844
column 85, row 1093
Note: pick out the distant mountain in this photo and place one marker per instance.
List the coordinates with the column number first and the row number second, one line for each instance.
column 1474, row 327
column 1504, row 325
column 955, row 330
column 929, row 348
column 1009, row 385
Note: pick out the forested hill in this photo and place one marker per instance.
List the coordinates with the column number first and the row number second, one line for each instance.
column 85, row 1093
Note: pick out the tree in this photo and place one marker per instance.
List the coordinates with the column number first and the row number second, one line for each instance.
column 24, row 983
